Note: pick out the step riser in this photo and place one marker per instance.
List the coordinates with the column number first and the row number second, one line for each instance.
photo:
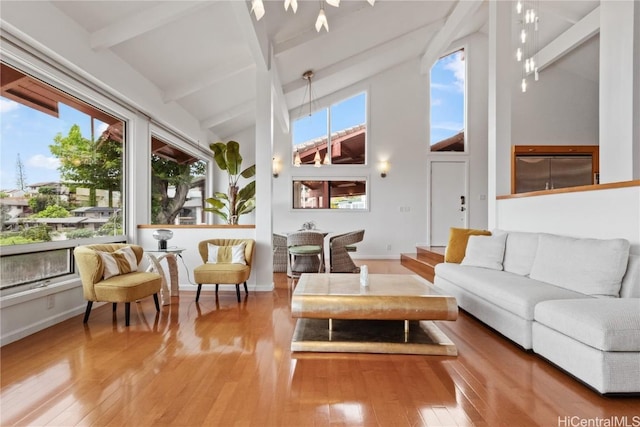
column 420, row 268
column 423, row 262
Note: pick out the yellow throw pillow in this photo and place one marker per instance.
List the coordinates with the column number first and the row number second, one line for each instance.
column 458, row 238
column 122, row 261
column 226, row 254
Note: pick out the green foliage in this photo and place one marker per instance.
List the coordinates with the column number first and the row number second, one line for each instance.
column 113, row 227
column 81, row 233
column 165, row 173
column 3, row 195
column 39, row 233
column 236, row 201
column 14, row 239
column 92, row 164
column 42, row 201
column 52, row 211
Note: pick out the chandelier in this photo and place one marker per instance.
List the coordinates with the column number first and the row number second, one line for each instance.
column 257, row 7
column 527, row 14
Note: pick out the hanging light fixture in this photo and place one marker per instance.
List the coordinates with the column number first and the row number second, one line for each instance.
column 307, row 75
column 257, row 7
column 322, row 19
column 317, row 161
column 527, row 51
column 292, row 3
column 297, row 161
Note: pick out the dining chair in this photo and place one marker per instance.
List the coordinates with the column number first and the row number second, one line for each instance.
column 306, row 252
column 339, row 248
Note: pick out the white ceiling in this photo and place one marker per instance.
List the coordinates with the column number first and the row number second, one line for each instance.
column 201, row 54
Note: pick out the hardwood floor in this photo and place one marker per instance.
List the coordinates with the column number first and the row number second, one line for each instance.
column 218, row 362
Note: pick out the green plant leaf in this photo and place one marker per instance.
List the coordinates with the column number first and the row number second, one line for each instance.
column 217, row 204
column 247, row 206
column 248, row 191
column 233, row 157
column 219, row 149
column 249, row 172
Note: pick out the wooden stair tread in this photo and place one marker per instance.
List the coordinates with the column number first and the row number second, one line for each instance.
column 423, row 262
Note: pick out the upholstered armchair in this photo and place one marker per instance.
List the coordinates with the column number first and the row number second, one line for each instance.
column 109, row 273
column 339, row 248
column 225, row 261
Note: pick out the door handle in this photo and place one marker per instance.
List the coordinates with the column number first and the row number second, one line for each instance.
column 462, row 200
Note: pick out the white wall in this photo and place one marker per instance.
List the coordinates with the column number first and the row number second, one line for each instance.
column 604, row 214
column 396, row 132
column 561, row 108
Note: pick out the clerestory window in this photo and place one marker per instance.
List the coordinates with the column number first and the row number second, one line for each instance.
column 339, row 130
column 447, row 87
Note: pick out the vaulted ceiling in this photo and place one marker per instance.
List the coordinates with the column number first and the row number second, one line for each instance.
column 202, row 55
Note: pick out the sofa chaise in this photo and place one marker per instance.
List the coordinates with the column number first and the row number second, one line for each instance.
column 573, row 301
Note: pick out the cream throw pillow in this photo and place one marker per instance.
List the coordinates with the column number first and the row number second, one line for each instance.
column 485, row 251
column 119, row 262
column 457, row 244
column 226, row 254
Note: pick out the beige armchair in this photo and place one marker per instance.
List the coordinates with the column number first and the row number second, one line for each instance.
column 217, row 270
column 126, row 287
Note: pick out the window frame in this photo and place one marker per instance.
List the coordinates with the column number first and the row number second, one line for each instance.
column 326, row 104
column 65, row 78
column 364, row 178
column 182, row 144
column 465, row 108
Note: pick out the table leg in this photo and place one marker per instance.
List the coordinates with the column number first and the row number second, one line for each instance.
column 406, row 331
column 154, row 265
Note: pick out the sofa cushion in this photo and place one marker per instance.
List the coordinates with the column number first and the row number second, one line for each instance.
column 520, row 252
column 457, row 244
column 631, row 282
column 485, row 251
column 590, row 266
column 608, row 325
column 512, row 292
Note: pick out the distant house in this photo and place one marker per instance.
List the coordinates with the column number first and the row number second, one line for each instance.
column 15, row 207
column 94, row 212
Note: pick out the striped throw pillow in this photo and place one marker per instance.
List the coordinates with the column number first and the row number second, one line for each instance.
column 122, row 261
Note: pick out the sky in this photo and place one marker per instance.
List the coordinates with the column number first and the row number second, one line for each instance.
column 28, row 133
column 447, row 97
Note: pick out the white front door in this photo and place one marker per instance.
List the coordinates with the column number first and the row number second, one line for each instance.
column 449, row 199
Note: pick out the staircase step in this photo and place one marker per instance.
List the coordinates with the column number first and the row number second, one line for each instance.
column 423, row 262
column 434, row 254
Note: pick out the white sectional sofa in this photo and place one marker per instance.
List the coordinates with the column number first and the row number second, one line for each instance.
column 573, row 301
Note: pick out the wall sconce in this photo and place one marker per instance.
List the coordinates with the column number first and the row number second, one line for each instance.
column 275, row 167
column 384, row 168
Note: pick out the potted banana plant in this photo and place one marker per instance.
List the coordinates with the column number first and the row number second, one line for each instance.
column 237, row 201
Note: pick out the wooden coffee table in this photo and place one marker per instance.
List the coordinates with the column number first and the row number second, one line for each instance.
column 394, row 314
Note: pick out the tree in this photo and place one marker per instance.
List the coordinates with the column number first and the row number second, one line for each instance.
column 166, row 173
column 52, row 211
column 21, row 175
column 93, row 164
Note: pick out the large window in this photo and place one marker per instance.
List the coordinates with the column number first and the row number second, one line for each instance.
column 343, row 194
column 448, row 77
column 339, row 130
column 62, row 163
column 177, row 185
